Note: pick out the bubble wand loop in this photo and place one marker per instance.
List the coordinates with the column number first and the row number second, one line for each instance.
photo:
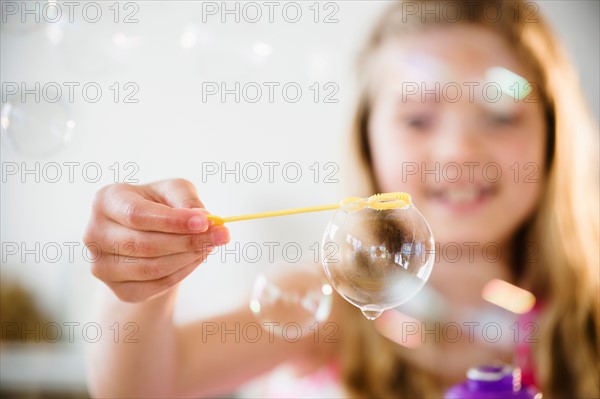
column 397, row 200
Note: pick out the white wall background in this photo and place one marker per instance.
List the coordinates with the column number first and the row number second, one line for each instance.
column 170, row 132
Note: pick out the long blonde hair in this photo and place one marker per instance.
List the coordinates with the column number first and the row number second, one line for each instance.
column 565, row 227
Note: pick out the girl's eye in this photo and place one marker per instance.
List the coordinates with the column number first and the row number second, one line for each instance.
column 502, row 119
column 419, row 122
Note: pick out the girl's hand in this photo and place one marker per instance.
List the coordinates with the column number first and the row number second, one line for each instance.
column 146, row 239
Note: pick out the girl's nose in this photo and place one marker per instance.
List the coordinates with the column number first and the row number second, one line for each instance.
column 457, row 141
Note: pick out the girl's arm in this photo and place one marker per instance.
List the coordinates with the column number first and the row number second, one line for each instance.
column 145, row 240
column 206, row 358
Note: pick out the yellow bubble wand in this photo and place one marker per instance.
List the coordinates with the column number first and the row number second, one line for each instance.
column 379, row 202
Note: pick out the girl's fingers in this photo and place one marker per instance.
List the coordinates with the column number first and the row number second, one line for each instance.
column 177, row 193
column 118, row 268
column 136, row 291
column 136, row 208
column 117, row 239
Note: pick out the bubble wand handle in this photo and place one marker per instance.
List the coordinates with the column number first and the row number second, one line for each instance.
column 217, row 220
column 377, row 202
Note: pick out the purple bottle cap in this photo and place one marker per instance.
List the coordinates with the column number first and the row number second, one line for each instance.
column 492, row 382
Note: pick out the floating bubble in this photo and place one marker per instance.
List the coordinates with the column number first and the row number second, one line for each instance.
column 35, row 128
column 256, row 54
column 509, row 82
column 125, row 41
column 377, row 256
column 280, row 297
column 262, row 49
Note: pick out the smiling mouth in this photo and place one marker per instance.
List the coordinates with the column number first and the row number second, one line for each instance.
column 462, row 197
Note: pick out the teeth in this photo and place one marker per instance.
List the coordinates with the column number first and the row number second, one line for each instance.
column 462, row 195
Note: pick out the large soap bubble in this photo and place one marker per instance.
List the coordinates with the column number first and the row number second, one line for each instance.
column 384, row 252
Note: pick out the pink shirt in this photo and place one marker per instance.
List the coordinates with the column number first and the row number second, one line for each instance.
column 322, row 383
column 528, row 335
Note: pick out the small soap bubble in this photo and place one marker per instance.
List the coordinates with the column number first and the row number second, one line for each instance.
column 35, row 129
column 382, row 257
column 280, row 297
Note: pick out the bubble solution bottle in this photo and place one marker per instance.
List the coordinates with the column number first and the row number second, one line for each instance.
column 492, row 382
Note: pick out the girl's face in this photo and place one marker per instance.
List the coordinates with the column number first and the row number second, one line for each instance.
column 471, row 156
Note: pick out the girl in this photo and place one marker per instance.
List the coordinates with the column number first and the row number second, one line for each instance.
column 422, row 108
